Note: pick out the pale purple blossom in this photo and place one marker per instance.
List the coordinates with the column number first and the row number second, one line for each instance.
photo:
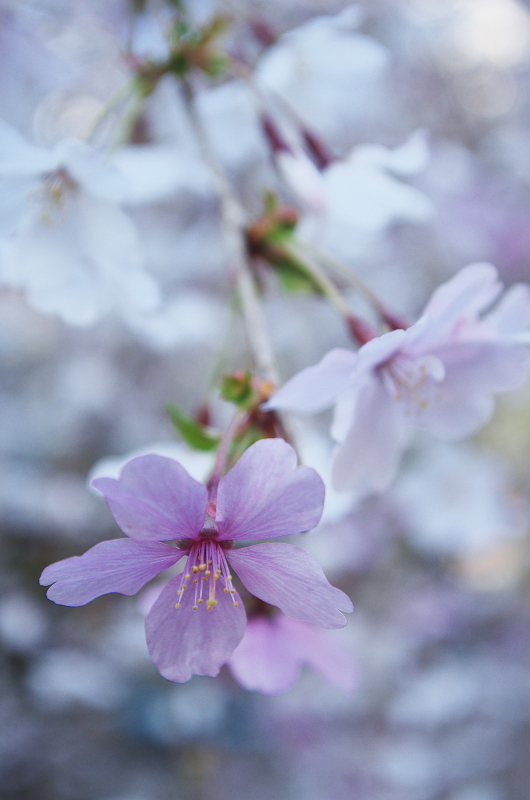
column 198, row 619
column 439, row 375
column 273, row 651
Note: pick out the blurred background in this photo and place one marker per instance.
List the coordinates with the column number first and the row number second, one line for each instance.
column 437, row 705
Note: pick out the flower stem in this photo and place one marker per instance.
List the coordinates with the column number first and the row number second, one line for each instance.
column 233, row 220
column 361, row 330
column 239, row 418
column 351, row 278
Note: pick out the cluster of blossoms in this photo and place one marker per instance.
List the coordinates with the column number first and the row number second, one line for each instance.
column 68, row 239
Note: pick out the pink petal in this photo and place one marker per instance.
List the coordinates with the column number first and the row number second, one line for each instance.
column 315, row 388
column 327, row 652
column 267, row 659
column 273, row 650
column 474, row 372
column 380, row 349
column 291, row 579
column 155, row 498
column 120, row 565
column 367, row 460
column 472, row 290
column 265, row 494
column 183, row 642
column 512, row 313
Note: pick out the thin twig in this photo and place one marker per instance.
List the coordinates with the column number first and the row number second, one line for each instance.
column 233, row 219
column 351, row 278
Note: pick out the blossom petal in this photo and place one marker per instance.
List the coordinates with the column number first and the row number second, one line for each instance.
column 291, row 579
column 474, row 372
column 119, row 565
column 367, row 459
column 512, row 313
column 155, row 499
column 19, row 157
column 183, row 642
column 273, row 650
column 380, row 349
column 467, row 293
column 88, row 168
column 81, row 262
column 265, row 494
column 315, row 388
column 327, row 652
column 267, row 659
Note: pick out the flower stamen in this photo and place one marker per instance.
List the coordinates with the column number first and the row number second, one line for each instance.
column 206, row 557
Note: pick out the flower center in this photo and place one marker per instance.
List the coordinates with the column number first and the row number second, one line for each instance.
column 52, row 194
column 206, row 565
column 412, row 380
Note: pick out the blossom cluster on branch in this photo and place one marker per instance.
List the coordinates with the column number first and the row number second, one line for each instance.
column 199, row 122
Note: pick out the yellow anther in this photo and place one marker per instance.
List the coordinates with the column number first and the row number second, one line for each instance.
column 211, row 603
column 216, row 576
column 229, row 578
column 201, row 601
column 178, row 605
column 184, row 586
column 206, row 579
column 226, row 590
column 207, row 573
column 202, row 567
column 187, row 576
column 210, row 563
column 195, row 570
column 236, row 604
column 232, row 591
column 195, row 580
column 179, row 592
column 195, row 608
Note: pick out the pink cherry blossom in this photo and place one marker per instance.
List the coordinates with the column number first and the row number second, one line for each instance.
column 198, row 619
column 274, row 649
column 439, row 375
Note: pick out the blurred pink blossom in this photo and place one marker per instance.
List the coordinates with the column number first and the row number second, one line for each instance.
column 440, row 375
column 273, row 650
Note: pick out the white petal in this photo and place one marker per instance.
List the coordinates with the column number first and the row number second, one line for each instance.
column 20, row 157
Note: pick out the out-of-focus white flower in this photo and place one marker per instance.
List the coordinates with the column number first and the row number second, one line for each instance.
column 325, row 71
column 364, row 195
column 63, row 238
column 304, row 179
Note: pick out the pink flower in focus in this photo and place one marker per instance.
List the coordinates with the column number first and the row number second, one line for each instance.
column 439, row 375
column 198, row 619
column 274, row 649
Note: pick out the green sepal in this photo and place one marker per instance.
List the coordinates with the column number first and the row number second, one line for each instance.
column 293, row 277
column 217, row 65
column 193, row 434
column 238, row 389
